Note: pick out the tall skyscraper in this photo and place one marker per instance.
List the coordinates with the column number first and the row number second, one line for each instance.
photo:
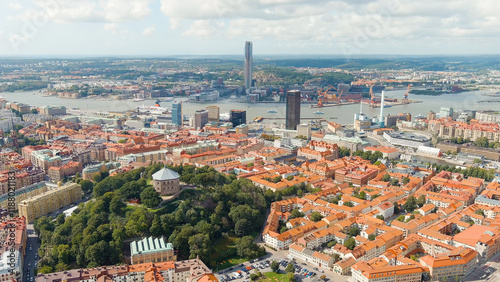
column 292, row 109
column 213, row 113
column 200, row 119
column 177, row 113
column 237, row 117
column 248, row 64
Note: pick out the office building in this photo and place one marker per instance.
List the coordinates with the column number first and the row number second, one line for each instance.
column 53, row 110
column 248, row 64
column 151, row 250
column 237, row 117
column 292, row 109
column 445, row 112
column 200, row 119
column 50, row 201
column 177, row 113
column 242, row 129
column 213, row 113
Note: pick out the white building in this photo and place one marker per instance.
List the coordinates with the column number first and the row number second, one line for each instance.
column 10, row 268
column 406, row 139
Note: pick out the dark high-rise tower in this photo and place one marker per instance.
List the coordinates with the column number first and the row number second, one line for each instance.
column 292, row 109
column 248, row 64
column 237, row 117
column 177, row 113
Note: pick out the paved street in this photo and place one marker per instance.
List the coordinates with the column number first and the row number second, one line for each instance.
column 486, row 272
column 32, row 246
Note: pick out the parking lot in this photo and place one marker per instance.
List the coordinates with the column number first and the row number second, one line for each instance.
column 243, row 271
column 303, row 271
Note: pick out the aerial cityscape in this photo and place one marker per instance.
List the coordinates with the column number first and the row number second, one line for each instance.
column 242, row 154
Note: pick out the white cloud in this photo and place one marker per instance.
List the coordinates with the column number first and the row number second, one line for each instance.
column 91, row 10
column 356, row 23
column 148, row 31
column 205, row 28
column 112, row 27
column 15, row 6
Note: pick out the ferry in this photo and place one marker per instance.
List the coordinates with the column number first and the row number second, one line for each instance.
column 258, row 119
column 272, row 112
column 318, row 113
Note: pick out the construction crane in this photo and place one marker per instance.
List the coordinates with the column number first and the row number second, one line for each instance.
column 405, row 97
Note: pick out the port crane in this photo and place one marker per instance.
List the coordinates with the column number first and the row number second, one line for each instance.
column 323, row 95
column 405, row 97
column 372, row 102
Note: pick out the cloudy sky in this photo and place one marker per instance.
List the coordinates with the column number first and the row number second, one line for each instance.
column 214, row 27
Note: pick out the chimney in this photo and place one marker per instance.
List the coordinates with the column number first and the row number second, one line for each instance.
column 382, row 101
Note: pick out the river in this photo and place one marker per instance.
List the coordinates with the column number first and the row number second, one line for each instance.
column 341, row 114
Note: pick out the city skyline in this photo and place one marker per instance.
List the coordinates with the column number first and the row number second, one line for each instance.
column 164, row 28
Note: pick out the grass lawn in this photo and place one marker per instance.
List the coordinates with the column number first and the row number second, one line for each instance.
column 225, row 254
column 274, row 277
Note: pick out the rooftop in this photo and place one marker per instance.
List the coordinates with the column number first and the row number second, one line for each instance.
column 150, row 245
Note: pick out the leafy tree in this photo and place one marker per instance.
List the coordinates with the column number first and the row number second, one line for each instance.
column 290, row 268
column 381, row 217
column 131, row 190
column 275, row 266
column 331, row 244
column 246, row 248
column 480, row 212
column 344, row 152
column 241, row 227
column 411, row 204
column 45, row 269
column 421, row 201
column 354, row 231
column 482, row 142
column 350, row 243
column 291, row 277
column 116, row 205
column 396, row 207
column 372, row 237
column 87, row 186
column 395, row 182
column 156, row 228
column 336, row 257
column 478, row 161
column 362, row 195
column 406, row 180
column 401, row 218
column 315, row 216
column 296, row 214
column 290, row 177
column 150, row 198
column 386, row 177
column 200, row 245
column 97, row 177
column 348, row 204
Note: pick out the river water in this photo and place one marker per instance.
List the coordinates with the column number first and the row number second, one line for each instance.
column 341, row 114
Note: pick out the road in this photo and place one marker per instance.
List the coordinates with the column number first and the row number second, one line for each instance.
column 33, row 241
column 32, row 246
column 487, row 271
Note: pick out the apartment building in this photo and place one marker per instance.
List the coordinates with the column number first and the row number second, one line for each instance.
column 49, row 201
